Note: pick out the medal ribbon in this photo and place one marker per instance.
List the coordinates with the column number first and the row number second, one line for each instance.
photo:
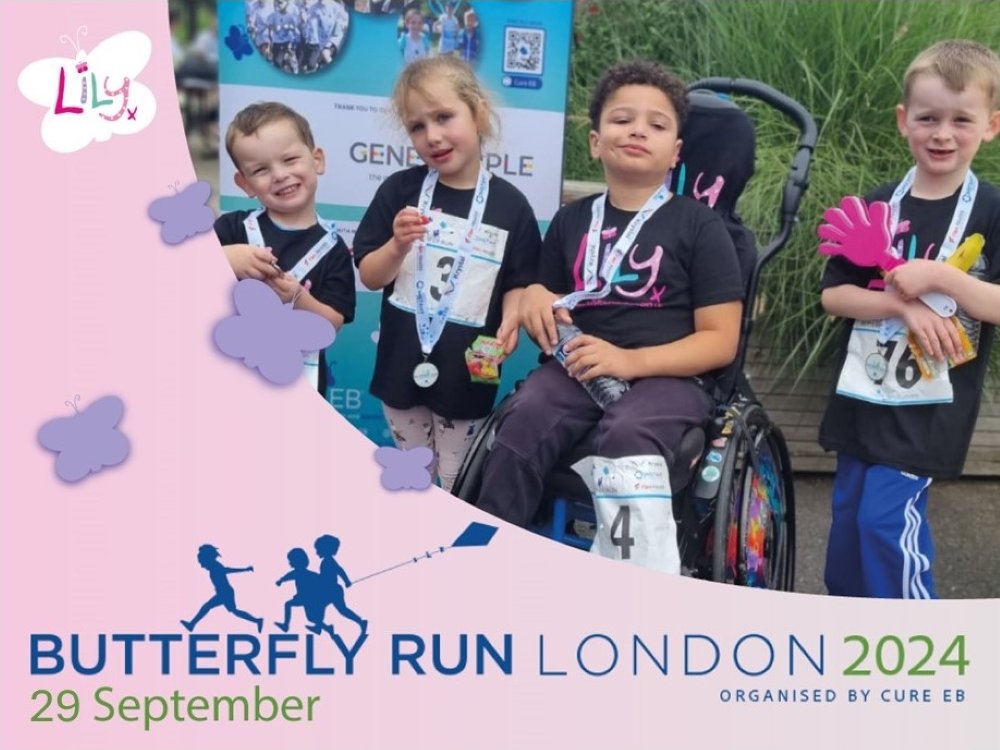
column 614, row 258
column 430, row 324
column 313, row 256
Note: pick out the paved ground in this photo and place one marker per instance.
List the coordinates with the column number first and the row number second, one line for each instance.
column 965, row 520
column 964, row 515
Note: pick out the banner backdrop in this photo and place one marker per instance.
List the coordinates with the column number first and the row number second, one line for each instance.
column 520, row 51
column 193, row 557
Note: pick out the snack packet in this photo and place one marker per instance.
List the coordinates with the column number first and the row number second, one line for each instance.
column 483, row 360
column 930, row 367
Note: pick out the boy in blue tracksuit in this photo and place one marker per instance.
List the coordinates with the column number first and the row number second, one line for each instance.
column 894, row 430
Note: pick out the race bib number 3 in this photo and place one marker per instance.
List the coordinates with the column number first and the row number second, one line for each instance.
column 444, row 234
column 887, row 374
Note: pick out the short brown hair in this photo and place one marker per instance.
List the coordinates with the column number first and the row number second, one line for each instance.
column 462, row 79
column 638, row 73
column 957, row 62
column 252, row 118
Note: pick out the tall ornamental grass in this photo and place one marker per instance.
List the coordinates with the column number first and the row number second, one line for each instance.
column 843, row 61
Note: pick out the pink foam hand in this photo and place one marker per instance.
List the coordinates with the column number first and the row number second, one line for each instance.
column 859, row 232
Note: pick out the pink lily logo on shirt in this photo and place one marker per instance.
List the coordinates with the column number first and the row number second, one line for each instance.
column 94, row 95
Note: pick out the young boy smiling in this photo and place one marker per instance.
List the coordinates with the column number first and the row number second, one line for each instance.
column 284, row 243
column 894, row 430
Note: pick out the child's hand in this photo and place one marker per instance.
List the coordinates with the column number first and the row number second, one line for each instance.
column 249, row 262
column 589, row 357
column 408, row 226
column 286, row 287
column 916, row 277
column 507, row 336
column 936, row 335
column 538, row 317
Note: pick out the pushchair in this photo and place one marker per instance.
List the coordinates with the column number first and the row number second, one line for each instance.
column 733, row 494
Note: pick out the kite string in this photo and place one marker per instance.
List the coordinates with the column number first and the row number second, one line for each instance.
column 427, row 555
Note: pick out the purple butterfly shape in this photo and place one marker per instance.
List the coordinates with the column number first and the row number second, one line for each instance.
column 88, row 441
column 270, row 336
column 185, row 214
column 238, row 42
column 405, row 469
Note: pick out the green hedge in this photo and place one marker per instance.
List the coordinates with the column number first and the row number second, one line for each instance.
column 842, row 60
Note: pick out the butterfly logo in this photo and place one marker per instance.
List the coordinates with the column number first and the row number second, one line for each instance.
column 238, row 42
column 88, row 441
column 183, row 214
column 94, row 96
column 269, row 335
column 405, row 469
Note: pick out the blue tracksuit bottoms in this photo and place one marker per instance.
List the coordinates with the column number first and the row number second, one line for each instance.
column 880, row 541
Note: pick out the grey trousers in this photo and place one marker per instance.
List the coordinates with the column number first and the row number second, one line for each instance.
column 551, row 413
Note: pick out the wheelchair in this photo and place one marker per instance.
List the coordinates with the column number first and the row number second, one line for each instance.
column 731, row 478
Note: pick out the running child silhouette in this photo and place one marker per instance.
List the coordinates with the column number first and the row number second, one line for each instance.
column 330, row 574
column 452, row 248
column 309, row 592
column 208, row 558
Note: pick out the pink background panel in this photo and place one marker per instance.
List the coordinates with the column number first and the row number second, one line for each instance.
column 93, row 303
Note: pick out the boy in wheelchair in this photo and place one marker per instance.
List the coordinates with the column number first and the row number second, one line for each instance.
column 653, row 281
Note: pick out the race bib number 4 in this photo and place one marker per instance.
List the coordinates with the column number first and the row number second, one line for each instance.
column 888, row 374
column 635, row 514
column 444, row 235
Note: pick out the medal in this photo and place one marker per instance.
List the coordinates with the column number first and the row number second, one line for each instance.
column 876, row 367
column 431, row 322
column 425, row 374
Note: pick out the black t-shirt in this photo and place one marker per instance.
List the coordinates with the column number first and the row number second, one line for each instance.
column 332, row 278
column 510, row 222
column 682, row 259
column 929, row 439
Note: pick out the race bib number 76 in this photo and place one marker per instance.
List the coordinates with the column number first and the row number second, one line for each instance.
column 887, row 374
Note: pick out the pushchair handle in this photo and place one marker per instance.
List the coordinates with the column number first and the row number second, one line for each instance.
column 785, row 104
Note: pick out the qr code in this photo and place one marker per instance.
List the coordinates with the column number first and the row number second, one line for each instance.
column 524, row 50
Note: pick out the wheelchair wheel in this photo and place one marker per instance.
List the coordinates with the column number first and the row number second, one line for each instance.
column 754, row 534
column 470, row 476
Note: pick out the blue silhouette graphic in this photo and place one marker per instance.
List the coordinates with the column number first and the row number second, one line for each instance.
column 314, row 591
column 308, row 593
column 208, row 558
column 330, row 574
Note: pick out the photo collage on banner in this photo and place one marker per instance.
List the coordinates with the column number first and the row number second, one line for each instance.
column 336, row 64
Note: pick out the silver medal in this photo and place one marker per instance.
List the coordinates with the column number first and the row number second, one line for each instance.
column 876, row 367
column 425, row 374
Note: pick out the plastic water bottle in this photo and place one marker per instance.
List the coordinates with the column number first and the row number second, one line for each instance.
column 604, row 389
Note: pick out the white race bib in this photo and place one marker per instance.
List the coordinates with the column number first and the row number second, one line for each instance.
column 472, row 300
column 887, row 374
column 635, row 510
